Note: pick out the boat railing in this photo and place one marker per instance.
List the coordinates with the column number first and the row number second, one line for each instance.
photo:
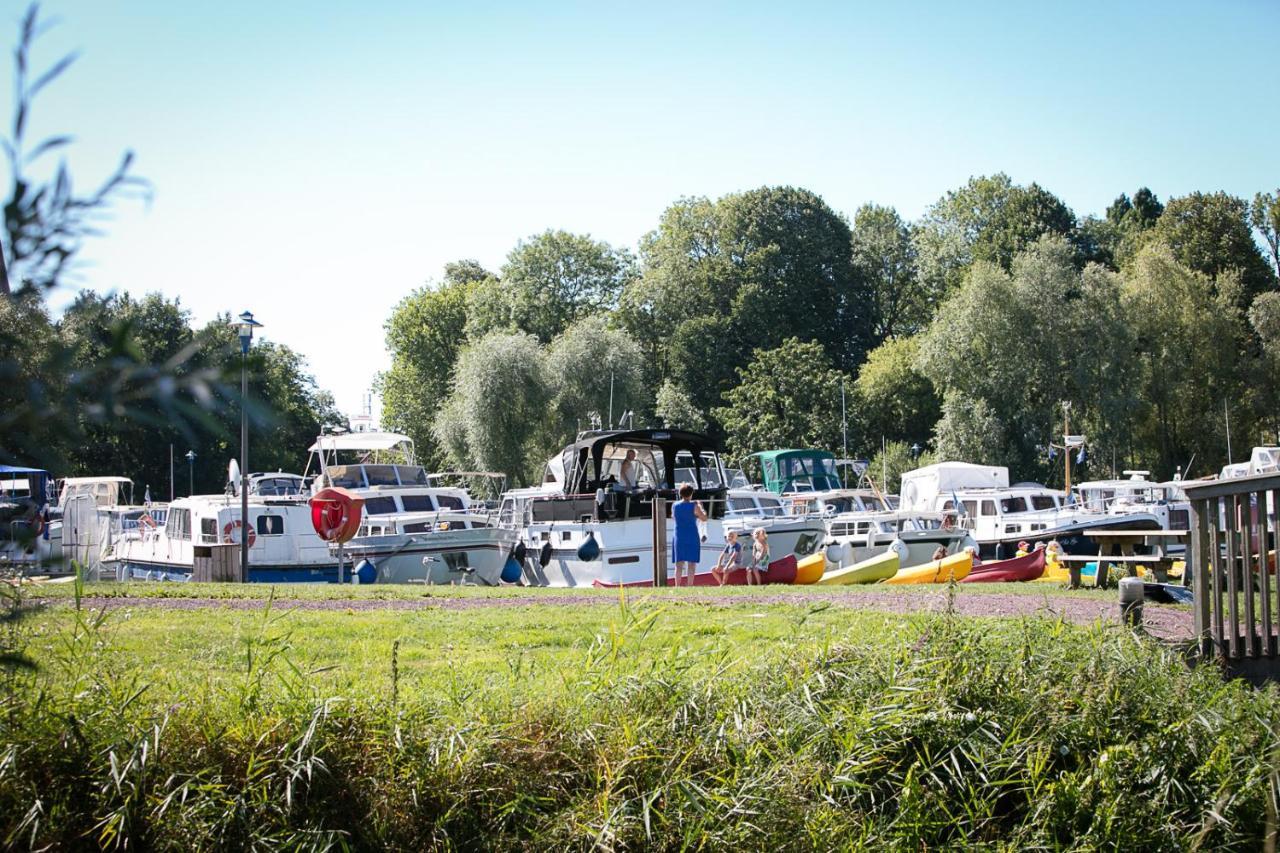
column 1232, row 569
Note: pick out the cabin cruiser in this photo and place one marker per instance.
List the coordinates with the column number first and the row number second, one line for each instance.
column 93, row 512
column 27, row 539
column 412, row 531
column 1000, row 516
column 1166, row 501
column 283, row 545
column 859, row 523
column 592, row 521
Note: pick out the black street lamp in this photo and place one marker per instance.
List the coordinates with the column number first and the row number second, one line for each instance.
column 191, row 469
column 244, row 328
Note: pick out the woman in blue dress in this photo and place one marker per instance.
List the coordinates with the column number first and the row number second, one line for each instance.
column 687, row 544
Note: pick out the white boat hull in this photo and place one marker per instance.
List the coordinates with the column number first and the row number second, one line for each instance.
column 475, row 556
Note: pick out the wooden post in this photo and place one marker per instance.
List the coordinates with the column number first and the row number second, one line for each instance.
column 659, row 541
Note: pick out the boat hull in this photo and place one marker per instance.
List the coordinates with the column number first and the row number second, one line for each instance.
column 880, row 567
column 474, row 556
column 957, row 567
column 1027, row 568
column 782, row 571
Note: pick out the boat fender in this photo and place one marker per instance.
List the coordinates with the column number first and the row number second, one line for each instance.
column 231, row 532
column 366, row 572
column 589, row 551
column 836, row 553
column 511, row 571
column 520, row 552
column 899, row 547
column 544, row 556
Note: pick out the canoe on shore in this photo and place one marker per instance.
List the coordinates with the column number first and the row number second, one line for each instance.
column 810, row 569
column 870, row 570
column 1026, row 568
column 955, row 566
column 781, row 571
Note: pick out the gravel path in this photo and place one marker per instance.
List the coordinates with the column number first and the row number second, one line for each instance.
column 1167, row 622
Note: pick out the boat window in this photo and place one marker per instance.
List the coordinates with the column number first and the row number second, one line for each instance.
column 988, row 507
column 970, row 508
column 381, row 475
column 1017, row 504
column 1042, row 502
column 449, row 501
column 1013, row 528
column 420, row 527
column 417, row 503
column 411, row 475
column 742, row 504
column 209, row 530
column 178, row 524
column 771, row 506
column 347, row 476
column 270, row 525
column 379, row 506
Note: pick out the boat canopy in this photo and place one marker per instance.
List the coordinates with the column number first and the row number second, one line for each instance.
column 921, row 487
column 585, row 458
column 34, row 483
column 360, row 441
column 792, row 470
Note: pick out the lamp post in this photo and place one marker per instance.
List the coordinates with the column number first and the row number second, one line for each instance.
column 244, row 328
column 191, row 470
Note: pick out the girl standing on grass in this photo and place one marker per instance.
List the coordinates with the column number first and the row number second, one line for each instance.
column 687, row 544
column 759, row 557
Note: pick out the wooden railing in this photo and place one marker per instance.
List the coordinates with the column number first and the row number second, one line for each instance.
column 1231, row 566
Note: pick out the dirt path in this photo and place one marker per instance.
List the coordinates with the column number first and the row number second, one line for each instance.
column 1168, row 622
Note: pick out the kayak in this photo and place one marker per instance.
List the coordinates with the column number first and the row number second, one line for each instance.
column 781, row 571
column 955, row 566
column 1026, row 568
column 870, row 570
column 810, row 569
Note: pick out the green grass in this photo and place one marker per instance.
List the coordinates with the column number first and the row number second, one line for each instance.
column 650, row 721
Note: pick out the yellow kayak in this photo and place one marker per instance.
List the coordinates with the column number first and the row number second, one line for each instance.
column 1054, row 571
column 870, row 570
column 955, row 566
column 810, row 569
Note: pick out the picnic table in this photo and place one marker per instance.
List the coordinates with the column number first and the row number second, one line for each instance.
column 1122, row 544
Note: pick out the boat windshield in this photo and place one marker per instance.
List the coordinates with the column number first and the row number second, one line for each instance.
column 363, row 476
column 808, row 472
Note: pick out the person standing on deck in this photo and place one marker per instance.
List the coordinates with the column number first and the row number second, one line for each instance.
column 687, row 544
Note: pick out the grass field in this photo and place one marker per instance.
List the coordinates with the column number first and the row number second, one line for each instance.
column 187, row 717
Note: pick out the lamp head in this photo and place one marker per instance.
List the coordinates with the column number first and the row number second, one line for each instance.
column 244, row 326
column 191, row 456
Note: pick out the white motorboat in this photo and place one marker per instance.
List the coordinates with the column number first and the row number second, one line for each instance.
column 1000, row 516
column 789, row 533
column 592, row 523
column 412, row 532
column 28, row 541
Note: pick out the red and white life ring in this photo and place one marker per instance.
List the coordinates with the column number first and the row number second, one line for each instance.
column 336, row 513
column 230, row 532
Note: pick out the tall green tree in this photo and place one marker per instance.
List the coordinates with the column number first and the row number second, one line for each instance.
column 498, row 405
column 884, row 258
column 786, row 397
column 1209, row 233
column 1264, row 213
column 425, row 334
column 591, row 369
column 895, row 400
column 549, row 281
column 676, row 410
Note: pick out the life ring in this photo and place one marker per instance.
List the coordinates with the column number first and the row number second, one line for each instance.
column 229, row 536
column 336, row 513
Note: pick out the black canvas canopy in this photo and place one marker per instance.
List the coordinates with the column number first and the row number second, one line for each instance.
column 670, row 441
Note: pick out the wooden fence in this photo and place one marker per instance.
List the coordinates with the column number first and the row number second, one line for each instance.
column 1231, row 568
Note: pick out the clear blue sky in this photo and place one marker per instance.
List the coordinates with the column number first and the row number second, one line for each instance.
column 316, row 161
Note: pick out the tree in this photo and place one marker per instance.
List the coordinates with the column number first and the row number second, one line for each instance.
column 675, row 410
column 1209, row 233
column 425, row 334
column 786, row 397
column 1187, row 353
column 1114, row 239
column 884, row 258
column 555, row 278
column 595, row 370
column 1265, row 215
column 895, row 400
column 971, row 431
column 46, row 223
column 891, row 461
column 745, row 272
column 988, row 219
column 499, row 401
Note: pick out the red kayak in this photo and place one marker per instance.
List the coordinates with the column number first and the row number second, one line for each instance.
column 780, row 571
column 1026, row 568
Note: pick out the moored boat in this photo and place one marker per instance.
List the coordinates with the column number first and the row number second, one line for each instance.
column 954, row 567
column 877, row 568
column 1025, row 568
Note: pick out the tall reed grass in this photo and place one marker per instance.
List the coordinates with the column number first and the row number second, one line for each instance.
column 1023, row 735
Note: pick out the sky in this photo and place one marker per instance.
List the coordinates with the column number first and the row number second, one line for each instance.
column 315, row 162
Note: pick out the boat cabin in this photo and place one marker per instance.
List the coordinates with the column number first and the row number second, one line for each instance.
column 594, row 487
column 105, row 492
column 786, row 471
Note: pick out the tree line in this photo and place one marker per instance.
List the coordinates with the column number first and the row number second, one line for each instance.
column 769, row 320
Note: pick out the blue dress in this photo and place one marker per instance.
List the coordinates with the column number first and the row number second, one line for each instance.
column 686, row 544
